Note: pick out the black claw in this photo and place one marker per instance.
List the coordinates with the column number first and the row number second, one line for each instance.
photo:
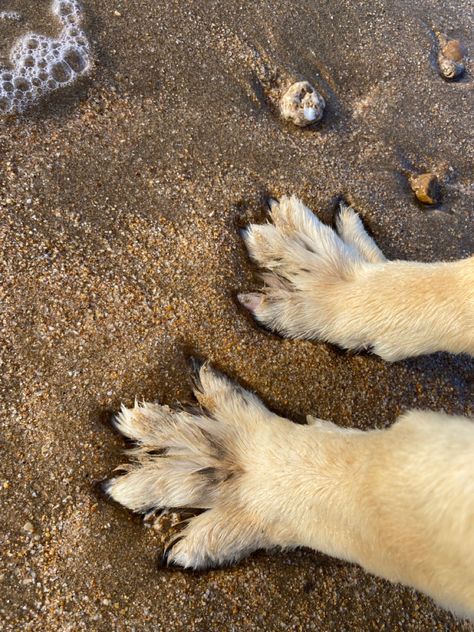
column 196, row 364
column 102, row 487
column 269, row 200
column 163, row 560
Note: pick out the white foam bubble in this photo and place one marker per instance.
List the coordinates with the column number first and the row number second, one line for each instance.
column 43, row 64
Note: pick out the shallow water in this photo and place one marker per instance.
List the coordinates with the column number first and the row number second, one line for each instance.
column 36, row 64
column 121, row 201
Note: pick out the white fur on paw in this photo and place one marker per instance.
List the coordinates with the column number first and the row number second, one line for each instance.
column 177, row 461
column 182, row 460
column 308, row 263
column 352, row 231
column 219, row 536
column 223, row 398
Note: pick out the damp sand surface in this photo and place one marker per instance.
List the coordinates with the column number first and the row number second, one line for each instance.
column 120, row 207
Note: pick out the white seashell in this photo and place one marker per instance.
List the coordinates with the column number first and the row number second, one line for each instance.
column 302, row 104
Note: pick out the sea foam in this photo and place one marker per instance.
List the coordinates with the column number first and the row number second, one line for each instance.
column 43, row 64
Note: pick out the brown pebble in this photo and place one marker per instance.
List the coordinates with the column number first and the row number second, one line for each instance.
column 450, row 57
column 453, row 50
column 426, row 188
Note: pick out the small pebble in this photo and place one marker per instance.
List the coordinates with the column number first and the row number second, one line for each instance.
column 28, row 527
column 302, row 104
column 426, row 188
column 450, row 58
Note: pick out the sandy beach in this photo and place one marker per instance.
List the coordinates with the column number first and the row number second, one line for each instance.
column 121, row 201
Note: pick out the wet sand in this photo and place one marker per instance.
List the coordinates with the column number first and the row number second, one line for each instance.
column 120, row 207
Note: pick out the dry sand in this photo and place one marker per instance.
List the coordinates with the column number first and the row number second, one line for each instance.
column 119, row 213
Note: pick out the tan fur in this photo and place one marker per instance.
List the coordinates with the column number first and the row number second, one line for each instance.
column 340, row 288
column 400, row 501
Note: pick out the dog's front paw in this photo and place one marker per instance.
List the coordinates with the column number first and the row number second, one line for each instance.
column 313, row 272
column 199, row 461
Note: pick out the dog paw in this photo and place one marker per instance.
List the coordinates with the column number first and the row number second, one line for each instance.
column 200, row 461
column 312, row 273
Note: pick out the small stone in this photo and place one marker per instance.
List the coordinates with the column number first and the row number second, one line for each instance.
column 117, row 14
column 426, row 188
column 450, row 58
column 453, row 50
column 302, row 104
column 28, row 527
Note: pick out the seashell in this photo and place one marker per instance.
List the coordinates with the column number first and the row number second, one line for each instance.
column 450, row 57
column 426, row 188
column 302, row 104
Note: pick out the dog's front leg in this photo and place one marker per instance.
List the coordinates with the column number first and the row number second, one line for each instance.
column 398, row 501
column 339, row 287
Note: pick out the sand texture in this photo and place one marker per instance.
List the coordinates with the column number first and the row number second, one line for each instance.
column 120, row 208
